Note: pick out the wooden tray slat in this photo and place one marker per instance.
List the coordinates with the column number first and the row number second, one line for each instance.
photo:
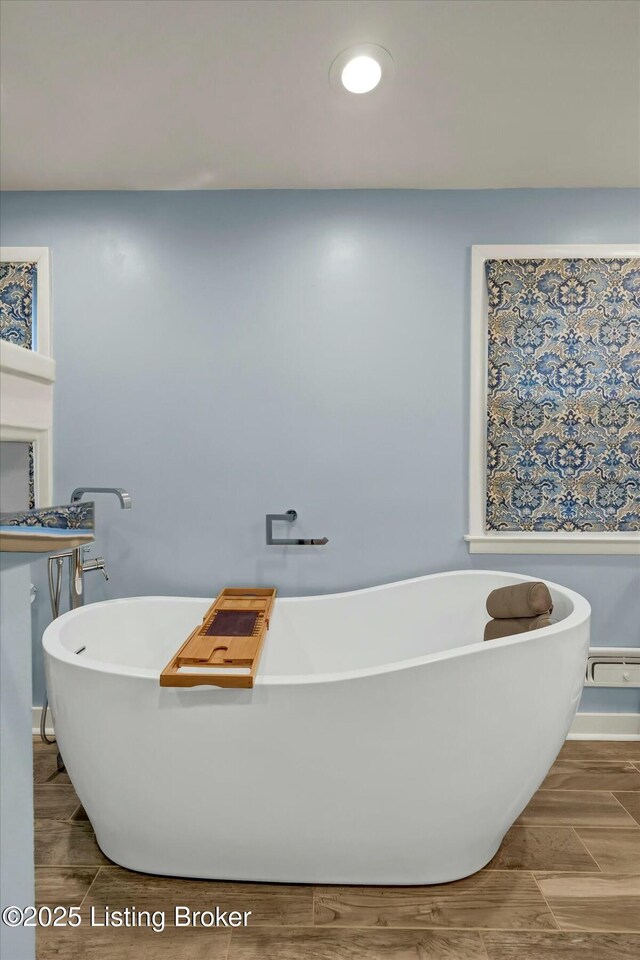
column 243, row 650
column 225, row 660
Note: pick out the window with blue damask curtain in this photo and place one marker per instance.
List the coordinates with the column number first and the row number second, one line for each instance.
column 18, row 304
column 563, row 405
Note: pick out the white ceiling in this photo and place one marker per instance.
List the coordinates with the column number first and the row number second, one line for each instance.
column 220, row 94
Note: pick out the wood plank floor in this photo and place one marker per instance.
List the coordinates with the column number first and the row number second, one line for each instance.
column 565, row 885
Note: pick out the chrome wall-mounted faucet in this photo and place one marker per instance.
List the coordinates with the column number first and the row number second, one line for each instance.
column 119, row 492
column 78, row 564
column 289, row 517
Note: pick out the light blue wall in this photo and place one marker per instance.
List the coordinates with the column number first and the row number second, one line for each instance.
column 224, row 355
column 16, row 766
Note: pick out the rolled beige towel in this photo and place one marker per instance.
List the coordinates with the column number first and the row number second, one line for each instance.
column 495, row 629
column 520, row 600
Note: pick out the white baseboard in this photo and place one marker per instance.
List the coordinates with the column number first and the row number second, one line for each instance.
column 586, row 726
column 605, row 726
column 36, row 713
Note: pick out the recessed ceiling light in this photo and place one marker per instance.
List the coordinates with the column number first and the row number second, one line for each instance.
column 361, row 75
column 360, row 69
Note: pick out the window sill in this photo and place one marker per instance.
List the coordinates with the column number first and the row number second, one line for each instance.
column 26, row 363
column 560, row 543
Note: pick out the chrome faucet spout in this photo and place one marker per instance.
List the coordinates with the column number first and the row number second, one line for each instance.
column 119, row 492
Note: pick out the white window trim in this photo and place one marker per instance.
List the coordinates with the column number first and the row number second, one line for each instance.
column 27, row 377
column 479, row 539
column 42, row 459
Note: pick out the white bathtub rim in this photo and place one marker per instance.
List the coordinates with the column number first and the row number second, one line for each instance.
column 580, row 613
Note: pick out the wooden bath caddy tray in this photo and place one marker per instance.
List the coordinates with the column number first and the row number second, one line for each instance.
column 225, row 648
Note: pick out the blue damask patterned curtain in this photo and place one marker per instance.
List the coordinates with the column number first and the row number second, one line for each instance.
column 18, row 303
column 563, row 411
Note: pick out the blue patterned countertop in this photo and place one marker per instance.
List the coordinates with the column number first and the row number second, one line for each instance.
column 48, row 528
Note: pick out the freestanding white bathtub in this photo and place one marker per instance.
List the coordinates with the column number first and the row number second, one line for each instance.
column 383, row 741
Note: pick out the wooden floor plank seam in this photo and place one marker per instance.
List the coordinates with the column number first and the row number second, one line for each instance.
column 612, row 851
column 555, row 919
column 483, row 944
column 581, row 841
column 228, row 950
column 89, row 887
column 543, row 789
column 632, row 760
column 619, row 801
